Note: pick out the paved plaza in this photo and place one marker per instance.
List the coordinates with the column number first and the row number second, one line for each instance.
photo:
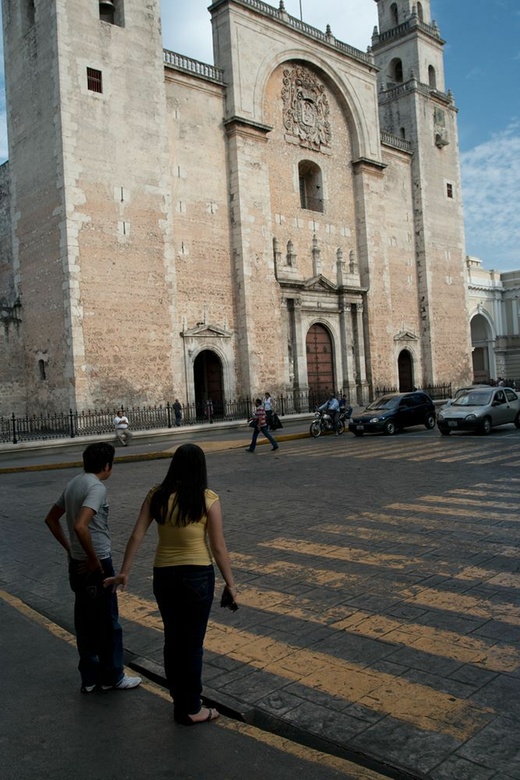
column 378, row 586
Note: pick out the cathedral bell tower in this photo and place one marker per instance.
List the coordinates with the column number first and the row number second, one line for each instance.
column 414, row 106
column 90, row 199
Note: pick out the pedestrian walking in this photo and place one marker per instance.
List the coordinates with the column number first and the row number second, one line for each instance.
column 189, row 524
column 260, row 426
column 99, row 636
column 121, row 426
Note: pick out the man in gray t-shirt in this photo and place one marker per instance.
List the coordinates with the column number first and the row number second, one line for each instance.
column 99, row 636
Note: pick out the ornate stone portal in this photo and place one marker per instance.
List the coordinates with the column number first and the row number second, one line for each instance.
column 305, row 109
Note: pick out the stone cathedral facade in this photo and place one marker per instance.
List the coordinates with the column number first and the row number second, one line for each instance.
column 289, row 219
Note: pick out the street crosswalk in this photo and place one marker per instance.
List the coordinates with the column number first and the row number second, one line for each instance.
column 403, row 629
column 501, row 447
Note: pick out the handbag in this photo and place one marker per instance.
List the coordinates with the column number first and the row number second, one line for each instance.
column 252, row 423
column 276, row 423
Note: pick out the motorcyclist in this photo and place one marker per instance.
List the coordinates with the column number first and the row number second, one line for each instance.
column 332, row 407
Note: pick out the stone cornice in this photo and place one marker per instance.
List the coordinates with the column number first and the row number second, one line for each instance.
column 237, row 123
column 365, row 163
column 281, row 16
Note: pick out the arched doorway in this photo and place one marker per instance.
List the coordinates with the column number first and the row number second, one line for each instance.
column 209, row 390
column 484, row 364
column 405, row 367
column 320, row 364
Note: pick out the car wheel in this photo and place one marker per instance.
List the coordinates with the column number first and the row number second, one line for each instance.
column 430, row 421
column 390, row 428
column 485, row 428
column 444, row 431
column 315, row 429
column 357, row 433
column 517, row 420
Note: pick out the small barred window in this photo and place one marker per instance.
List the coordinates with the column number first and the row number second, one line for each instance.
column 94, row 80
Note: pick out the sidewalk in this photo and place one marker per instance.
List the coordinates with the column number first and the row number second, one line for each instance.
column 145, row 445
column 50, row 731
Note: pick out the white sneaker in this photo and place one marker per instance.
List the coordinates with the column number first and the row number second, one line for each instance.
column 125, row 683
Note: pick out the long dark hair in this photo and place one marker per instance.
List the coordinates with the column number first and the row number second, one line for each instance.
column 187, row 477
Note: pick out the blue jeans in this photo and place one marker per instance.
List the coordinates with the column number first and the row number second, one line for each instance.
column 99, row 637
column 267, row 435
column 184, row 595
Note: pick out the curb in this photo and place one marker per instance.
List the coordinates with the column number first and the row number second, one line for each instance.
column 137, row 457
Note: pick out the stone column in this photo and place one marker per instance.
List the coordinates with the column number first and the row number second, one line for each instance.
column 347, row 348
column 361, row 374
column 300, row 383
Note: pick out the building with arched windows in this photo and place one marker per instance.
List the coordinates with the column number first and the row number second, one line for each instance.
column 494, row 310
column 288, row 219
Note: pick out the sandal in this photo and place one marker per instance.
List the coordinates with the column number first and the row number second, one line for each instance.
column 187, row 720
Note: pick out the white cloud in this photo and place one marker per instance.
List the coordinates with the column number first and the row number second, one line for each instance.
column 491, row 192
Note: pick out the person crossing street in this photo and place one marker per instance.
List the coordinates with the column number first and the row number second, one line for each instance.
column 259, row 417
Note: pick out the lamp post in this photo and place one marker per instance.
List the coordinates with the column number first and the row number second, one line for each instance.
column 301, row 12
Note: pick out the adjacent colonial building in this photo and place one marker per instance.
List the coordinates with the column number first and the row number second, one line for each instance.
column 288, row 219
column 494, row 308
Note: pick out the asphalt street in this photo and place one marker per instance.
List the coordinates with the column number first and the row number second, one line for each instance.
column 378, row 582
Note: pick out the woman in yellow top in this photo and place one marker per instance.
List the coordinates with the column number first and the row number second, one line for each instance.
column 188, row 516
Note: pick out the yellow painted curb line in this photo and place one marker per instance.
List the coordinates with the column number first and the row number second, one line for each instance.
column 161, row 455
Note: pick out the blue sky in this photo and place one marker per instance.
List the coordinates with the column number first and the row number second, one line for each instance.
column 482, row 66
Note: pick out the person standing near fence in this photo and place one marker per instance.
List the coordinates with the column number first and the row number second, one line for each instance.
column 269, row 409
column 177, row 410
column 260, row 421
column 121, row 425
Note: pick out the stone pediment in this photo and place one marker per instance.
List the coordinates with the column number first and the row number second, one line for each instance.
column 405, row 335
column 206, row 331
column 320, row 283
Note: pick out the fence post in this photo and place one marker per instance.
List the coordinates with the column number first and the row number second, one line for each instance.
column 168, row 412
column 71, row 420
column 15, row 440
column 282, row 405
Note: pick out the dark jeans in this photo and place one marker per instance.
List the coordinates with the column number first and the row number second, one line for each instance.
column 267, row 435
column 184, row 595
column 99, row 636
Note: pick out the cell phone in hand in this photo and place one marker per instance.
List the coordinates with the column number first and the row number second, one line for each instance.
column 228, row 601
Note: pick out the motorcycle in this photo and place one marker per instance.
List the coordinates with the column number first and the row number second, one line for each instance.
column 323, row 423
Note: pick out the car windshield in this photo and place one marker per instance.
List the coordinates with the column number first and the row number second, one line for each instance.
column 465, row 390
column 386, row 402
column 474, row 398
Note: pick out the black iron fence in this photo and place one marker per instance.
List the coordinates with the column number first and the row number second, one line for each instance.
column 18, row 428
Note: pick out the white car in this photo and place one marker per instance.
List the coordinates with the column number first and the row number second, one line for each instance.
column 480, row 409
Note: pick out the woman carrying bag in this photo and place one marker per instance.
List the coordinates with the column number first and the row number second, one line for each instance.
column 189, row 524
